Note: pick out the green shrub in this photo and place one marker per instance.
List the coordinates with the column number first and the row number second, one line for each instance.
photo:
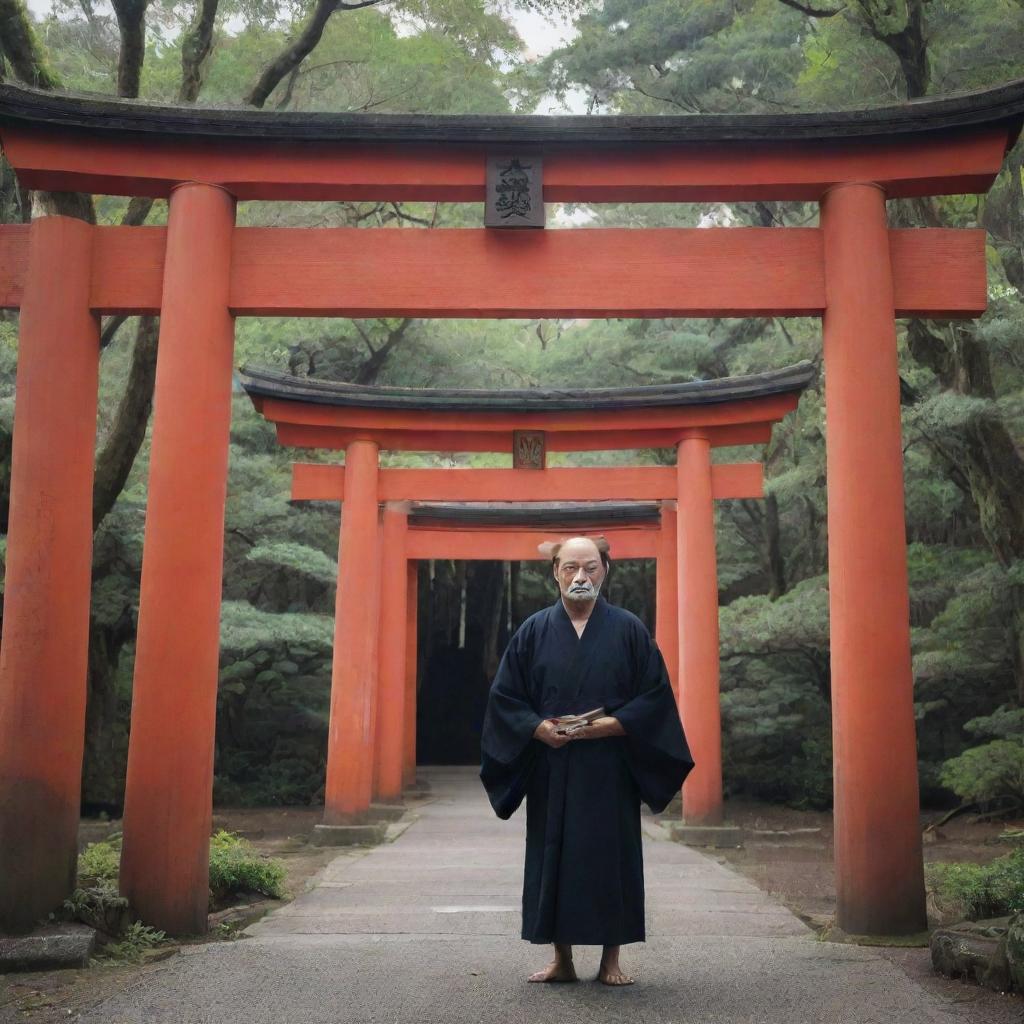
column 235, row 866
column 131, row 948
column 100, row 906
column 100, row 862
column 994, row 771
column 983, row 890
column 96, row 901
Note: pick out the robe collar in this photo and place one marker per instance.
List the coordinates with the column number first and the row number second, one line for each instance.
column 598, row 613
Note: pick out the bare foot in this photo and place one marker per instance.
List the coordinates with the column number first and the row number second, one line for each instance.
column 556, row 971
column 613, row 976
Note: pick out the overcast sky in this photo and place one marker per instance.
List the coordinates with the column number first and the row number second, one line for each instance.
column 541, row 35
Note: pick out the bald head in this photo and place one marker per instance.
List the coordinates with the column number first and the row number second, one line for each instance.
column 580, row 565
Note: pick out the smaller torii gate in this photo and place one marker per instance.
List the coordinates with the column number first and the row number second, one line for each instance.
column 322, row 414
column 420, row 531
column 349, row 791
column 637, row 529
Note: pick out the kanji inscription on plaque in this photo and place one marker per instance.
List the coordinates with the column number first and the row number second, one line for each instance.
column 515, row 193
column 528, row 449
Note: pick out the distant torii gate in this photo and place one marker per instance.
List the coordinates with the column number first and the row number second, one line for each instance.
column 364, row 421
column 512, row 534
column 417, row 531
column 201, row 271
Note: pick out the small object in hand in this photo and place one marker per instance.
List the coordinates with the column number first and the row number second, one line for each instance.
column 566, row 725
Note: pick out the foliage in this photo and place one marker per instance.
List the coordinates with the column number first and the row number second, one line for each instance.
column 96, row 900
column 132, row 946
column 101, row 861
column 994, row 771
column 235, row 866
column 982, row 890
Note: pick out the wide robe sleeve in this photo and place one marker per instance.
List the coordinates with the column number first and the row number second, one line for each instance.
column 508, row 750
column 657, row 751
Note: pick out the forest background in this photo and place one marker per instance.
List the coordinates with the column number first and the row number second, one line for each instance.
column 962, row 384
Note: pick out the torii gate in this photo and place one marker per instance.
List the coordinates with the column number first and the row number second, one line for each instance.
column 512, row 533
column 419, row 531
column 200, row 272
column 363, row 421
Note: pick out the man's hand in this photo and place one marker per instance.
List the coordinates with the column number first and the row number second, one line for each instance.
column 599, row 728
column 545, row 732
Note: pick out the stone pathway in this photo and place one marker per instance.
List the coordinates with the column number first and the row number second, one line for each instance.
column 426, row 929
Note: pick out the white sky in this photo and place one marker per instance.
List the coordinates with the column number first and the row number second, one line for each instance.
column 541, row 35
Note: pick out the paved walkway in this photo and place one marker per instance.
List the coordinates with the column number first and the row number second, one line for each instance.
column 426, row 929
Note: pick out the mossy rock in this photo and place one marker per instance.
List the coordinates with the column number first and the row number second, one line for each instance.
column 239, row 670
column 269, row 677
column 287, row 668
column 1015, row 951
column 974, row 951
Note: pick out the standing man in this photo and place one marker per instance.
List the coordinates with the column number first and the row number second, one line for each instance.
column 583, row 881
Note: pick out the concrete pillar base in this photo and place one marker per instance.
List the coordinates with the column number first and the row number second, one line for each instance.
column 369, row 833
column 706, row 835
column 385, row 811
column 50, row 947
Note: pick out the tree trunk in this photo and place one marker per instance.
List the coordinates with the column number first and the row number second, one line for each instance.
column 106, row 749
column 115, row 460
column 491, row 575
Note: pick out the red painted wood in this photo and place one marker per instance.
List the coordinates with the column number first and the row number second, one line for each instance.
column 350, row 740
column 737, row 480
column 319, row 482
column 14, row 259
column 747, row 410
column 391, row 657
column 697, row 596
column 43, row 659
column 938, row 272
column 941, row 163
column 666, row 629
column 168, row 793
column 281, row 271
column 411, row 662
column 300, row 436
column 469, row 272
column 879, row 885
column 128, row 271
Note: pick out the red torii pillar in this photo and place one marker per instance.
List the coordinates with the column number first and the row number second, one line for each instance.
column 43, row 661
column 880, row 886
column 350, row 744
column 666, row 601
column 698, row 629
column 390, row 740
column 169, row 785
column 411, row 671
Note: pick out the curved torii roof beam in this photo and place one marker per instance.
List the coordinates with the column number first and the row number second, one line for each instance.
column 325, row 414
column 954, row 144
column 511, row 531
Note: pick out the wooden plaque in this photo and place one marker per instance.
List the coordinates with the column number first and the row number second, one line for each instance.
column 528, row 449
column 515, row 191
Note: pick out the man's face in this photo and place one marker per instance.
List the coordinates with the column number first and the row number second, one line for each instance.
column 580, row 571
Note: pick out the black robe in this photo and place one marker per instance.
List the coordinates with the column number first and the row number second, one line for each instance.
column 583, row 880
